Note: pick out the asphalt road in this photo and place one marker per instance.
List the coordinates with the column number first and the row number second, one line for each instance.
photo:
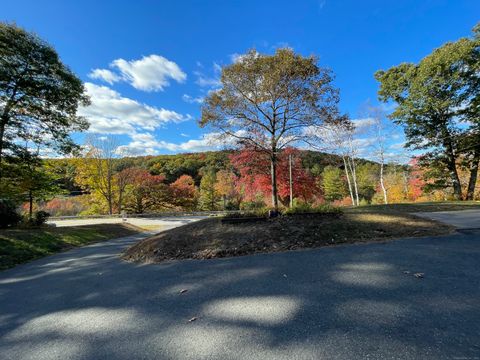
column 344, row 302
column 465, row 219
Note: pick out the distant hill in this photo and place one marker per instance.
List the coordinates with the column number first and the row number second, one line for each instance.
column 173, row 166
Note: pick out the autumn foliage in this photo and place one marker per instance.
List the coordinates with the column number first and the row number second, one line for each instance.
column 254, row 181
column 236, row 180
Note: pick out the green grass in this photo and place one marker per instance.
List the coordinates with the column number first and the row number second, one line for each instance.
column 21, row 245
column 418, row 207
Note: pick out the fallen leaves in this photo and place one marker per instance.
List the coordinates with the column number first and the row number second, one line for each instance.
column 418, row 275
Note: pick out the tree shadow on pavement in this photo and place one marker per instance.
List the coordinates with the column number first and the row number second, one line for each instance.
column 335, row 303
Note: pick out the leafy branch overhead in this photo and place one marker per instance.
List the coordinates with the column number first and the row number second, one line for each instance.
column 438, row 105
column 39, row 95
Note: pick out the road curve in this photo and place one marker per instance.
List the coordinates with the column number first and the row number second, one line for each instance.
column 344, row 302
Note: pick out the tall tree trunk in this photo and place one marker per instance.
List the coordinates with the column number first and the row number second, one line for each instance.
column 473, row 175
column 405, row 184
column 120, row 201
column 110, row 191
column 4, row 121
column 451, row 164
column 273, row 169
column 109, row 198
column 290, row 179
column 354, row 179
column 349, row 182
column 382, row 184
column 457, row 187
column 212, row 199
column 30, row 205
column 2, row 135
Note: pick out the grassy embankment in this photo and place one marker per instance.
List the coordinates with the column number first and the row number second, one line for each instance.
column 21, row 245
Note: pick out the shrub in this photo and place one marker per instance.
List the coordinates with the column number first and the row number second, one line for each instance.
column 261, row 212
column 231, row 206
column 66, row 206
column 346, row 201
column 364, row 202
column 8, row 213
column 252, row 205
column 304, row 208
column 40, row 218
column 299, row 208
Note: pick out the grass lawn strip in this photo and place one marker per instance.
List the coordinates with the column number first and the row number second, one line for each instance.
column 20, row 245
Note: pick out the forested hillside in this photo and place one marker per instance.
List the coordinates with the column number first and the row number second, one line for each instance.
column 214, row 181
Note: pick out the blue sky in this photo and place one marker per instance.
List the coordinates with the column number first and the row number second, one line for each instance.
column 147, row 64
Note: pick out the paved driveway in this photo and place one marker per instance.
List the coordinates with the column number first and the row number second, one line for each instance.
column 464, row 219
column 163, row 223
column 345, row 302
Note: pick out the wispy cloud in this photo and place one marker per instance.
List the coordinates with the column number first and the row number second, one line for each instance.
column 363, row 123
column 212, row 80
column 192, row 100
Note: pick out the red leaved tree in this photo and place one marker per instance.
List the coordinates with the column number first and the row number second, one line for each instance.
column 416, row 180
column 184, row 194
column 253, row 167
column 145, row 191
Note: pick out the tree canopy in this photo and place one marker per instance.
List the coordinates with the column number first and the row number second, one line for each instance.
column 438, row 104
column 267, row 102
column 39, row 95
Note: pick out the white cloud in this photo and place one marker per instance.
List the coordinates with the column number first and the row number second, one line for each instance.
column 388, row 107
column 105, row 75
column 398, row 146
column 146, row 143
column 236, row 57
column 112, row 113
column 141, row 144
column 205, row 81
column 192, row 100
column 361, row 124
column 150, row 73
column 104, row 125
column 209, row 81
column 362, row 143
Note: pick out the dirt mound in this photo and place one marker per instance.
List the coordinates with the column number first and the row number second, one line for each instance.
column 210, row 238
